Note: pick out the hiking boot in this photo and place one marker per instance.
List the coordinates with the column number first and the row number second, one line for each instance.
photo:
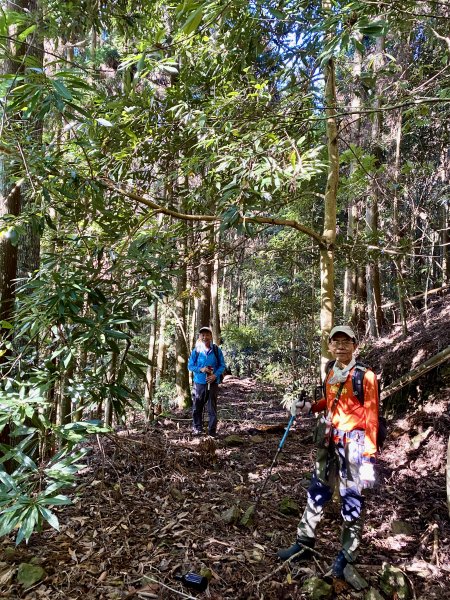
column 301, row 548
column 337, row 569
column 196, row 432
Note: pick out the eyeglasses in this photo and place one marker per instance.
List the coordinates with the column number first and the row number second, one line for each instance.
column 345, row 343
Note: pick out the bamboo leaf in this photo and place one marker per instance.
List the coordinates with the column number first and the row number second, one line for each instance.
column 193, row 21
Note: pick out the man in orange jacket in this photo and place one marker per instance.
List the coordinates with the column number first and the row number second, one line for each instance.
column 348, row 448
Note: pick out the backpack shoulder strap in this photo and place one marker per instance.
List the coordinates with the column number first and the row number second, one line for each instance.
column 360, row 365
column 328, row 367
column 216, row 353
column 358, row 379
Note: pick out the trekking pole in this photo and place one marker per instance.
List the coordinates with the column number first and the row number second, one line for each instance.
column 280, row 446
column 205, row 403
column 207, row 393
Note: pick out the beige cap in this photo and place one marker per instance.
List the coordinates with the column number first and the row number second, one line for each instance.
column 205, row 329
column 343, row 329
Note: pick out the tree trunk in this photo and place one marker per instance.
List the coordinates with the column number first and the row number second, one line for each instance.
column 9, row 204
column 329, row 230
column 399, row 264
column 205, row 273
column 445, row 241
column 149, row 382
column 222, row 295
column 10, row 190
column 448, row 475
column 375, row 313
column 160, row 361
column 230, row 295
column 181, row 336
column 108, row 418
column 444, row 237
column 215, row 291
column 80, row 373
column 65, row 402
column 28, row 258
column 349, row 308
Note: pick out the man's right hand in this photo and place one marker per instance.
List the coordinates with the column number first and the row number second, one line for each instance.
column 300, row 407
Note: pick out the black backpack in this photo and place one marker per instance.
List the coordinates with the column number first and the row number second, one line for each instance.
column 358, row 391
column 216, row 354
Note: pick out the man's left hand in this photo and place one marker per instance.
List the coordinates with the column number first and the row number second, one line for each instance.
column 367, row 475
column 210, row 378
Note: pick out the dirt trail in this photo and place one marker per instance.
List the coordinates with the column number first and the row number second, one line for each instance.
column 151, row 503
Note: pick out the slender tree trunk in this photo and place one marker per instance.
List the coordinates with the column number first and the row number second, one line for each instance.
column 239, row 294
column 161, row 352
column 329, row 230
column 94, row 38
column 445, row 241
column 222, row 295
column 444, row 237
column 376, row 320
column 205, row 274
column 10, row 201
column 81, row 367
column 230, row 295
column 216, row 316
column 108, row 419
column 395, row 224
column 65, row 401
column 349, row 307
column 361, row 297
column 28, row 259
column 11, row 187
column 149, row 382
column 181, row 334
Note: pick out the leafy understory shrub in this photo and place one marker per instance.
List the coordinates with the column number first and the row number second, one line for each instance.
column 165, row 395
column 31, row 487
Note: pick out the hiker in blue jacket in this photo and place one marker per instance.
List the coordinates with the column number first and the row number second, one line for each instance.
column 207, row 363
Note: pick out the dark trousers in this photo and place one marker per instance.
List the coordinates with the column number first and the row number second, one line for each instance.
column 202, row 396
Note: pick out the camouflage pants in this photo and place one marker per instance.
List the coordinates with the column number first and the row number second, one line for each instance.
column 340, row 461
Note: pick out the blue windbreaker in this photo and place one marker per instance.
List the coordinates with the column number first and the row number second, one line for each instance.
column 206, row 360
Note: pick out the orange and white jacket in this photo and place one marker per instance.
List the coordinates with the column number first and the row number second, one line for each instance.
column 349, row 413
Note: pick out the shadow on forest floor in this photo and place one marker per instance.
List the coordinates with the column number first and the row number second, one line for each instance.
column 151, row 504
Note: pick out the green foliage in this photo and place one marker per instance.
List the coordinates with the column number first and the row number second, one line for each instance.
column 249, row 349
column 29, row 487
column 165, row 395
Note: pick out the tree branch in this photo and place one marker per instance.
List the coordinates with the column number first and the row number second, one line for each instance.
column 211, row 218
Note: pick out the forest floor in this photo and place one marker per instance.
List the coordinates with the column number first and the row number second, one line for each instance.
column 154, row 502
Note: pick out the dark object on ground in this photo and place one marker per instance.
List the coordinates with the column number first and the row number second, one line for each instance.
column 193, row 581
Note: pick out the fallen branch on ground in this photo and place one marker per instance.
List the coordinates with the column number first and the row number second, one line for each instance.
column 428, row 365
